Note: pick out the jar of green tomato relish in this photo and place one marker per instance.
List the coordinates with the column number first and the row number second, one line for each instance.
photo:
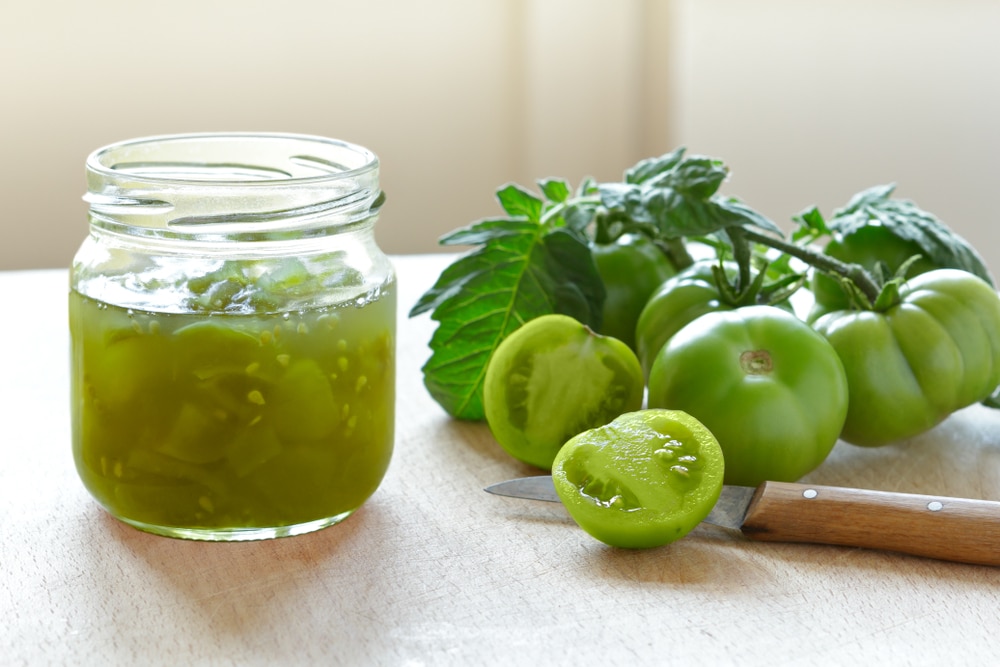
column 233, row 335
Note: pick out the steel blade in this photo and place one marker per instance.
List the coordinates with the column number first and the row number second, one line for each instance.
column 537, row 487
column 729, row 511
column 731, row 507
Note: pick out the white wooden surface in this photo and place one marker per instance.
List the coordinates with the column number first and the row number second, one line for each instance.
column 433, row 571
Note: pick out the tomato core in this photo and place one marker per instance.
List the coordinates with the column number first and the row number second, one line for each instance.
column 756, row 362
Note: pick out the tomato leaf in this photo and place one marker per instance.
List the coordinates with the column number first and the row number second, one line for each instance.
column 519, row 202
column 906, row 220
column 676, row 213
column 810, row 225
column 522, row 269
column 649, row 169
column 697, row 177
column 555, row 189
column 578, row 217
column 678, row 196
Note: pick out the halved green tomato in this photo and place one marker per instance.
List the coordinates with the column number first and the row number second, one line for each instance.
column 644, row 480
column 553, row 378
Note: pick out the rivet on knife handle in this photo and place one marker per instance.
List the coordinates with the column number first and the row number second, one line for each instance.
column 955, row 529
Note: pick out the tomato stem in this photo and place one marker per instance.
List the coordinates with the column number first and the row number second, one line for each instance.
column 676, row 252
column 742, row 254
column 856, row 273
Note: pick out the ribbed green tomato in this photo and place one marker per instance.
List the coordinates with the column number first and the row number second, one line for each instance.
column 908, row 368
column 632, row 268
column 553, row 378
column 866, row 246
column 772, row 390
column 643, row 480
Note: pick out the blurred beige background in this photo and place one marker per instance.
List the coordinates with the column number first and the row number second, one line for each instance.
column 808, row 102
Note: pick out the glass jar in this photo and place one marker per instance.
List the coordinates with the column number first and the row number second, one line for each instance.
column 233, row 335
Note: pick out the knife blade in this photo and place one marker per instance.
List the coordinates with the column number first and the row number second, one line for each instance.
column 952, row 529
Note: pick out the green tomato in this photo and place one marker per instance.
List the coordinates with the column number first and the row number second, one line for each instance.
column 646, row 479
column 908, row 368
column 866, row 246
column 302, row 405
column 677, row 302
column 631, row 268
column 553, row 378
column 772, row 390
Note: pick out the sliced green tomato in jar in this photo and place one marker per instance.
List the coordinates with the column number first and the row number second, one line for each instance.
column 206, row 349
column 302, row 406
column 130, row 368
column 643, row 480
column 553, row 378
column 198, row 435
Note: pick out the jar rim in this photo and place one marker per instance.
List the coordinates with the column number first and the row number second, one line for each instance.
column 221, row 184
column 106, row 161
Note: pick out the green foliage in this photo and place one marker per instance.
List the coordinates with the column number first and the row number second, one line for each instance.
column 536, row 259
column 528, row 264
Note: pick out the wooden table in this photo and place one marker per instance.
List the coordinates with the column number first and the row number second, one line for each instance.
column 433, row 571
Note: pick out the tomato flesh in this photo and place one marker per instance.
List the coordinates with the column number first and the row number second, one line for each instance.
column 553, row 378
column 643, row 480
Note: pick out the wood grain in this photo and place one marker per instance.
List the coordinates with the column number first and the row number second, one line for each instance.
column 955, row 529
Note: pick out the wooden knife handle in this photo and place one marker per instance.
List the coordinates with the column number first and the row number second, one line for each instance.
column 953, row 529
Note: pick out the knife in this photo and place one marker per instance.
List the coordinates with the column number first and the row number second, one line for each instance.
column 952, row 529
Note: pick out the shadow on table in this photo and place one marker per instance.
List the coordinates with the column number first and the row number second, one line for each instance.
column 232, row 587
column 715, row 559
column 473, row 454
